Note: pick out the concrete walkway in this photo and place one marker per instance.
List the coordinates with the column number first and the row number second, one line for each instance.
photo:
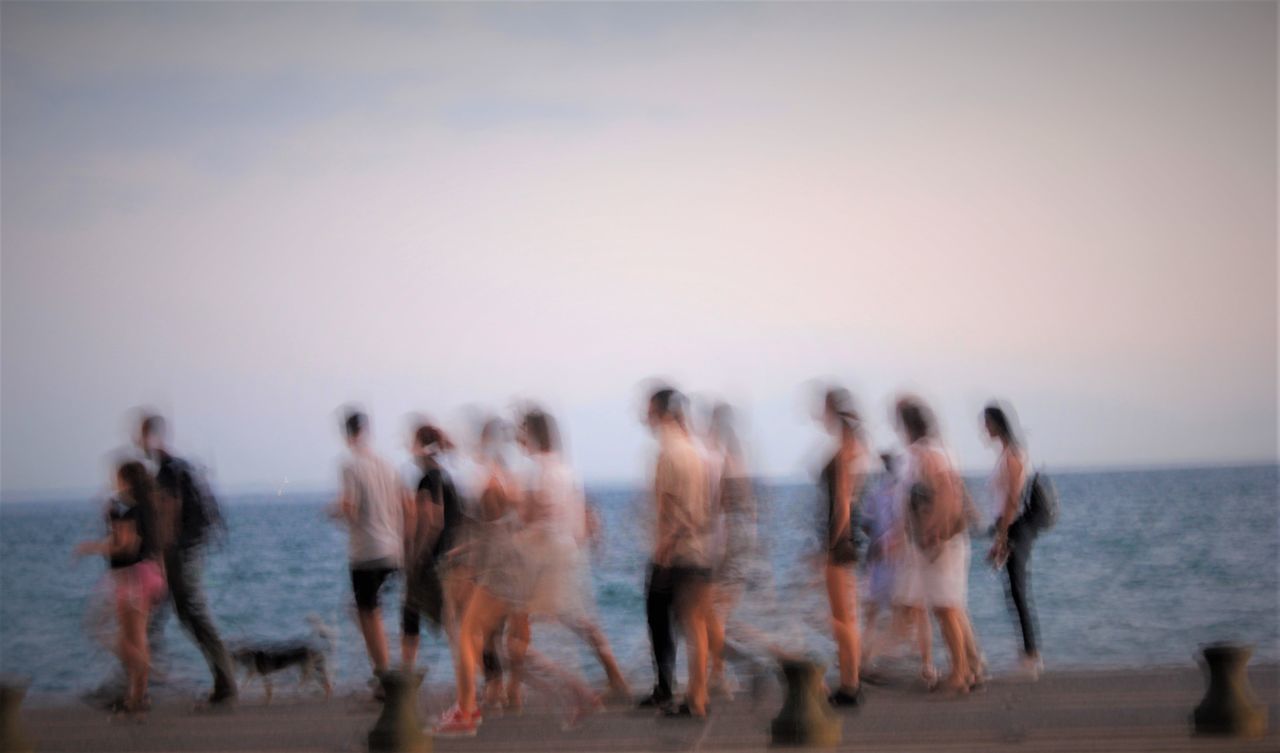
column 1120, row 710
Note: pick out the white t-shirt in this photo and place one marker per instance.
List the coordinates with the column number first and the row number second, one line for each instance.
column 377, row 535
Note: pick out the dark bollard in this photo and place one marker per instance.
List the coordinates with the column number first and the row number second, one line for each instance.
column 806, row 718
column 1229, row 706
column 397, row 729
column 12, row 740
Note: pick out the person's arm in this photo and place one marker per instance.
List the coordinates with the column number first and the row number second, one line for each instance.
column 664, row 525
column 344, row 509
column 409, row 505
column 1012, row 470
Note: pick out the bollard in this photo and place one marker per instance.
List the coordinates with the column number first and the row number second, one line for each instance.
column 806, row 718
column 12, row 739
column 1229, row 706
column 397, row 729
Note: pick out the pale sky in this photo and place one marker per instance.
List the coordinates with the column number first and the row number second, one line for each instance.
column 248, row 215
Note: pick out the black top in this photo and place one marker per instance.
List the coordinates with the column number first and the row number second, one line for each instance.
column 437, row 483
column 197, row 511
column 841, row 550
column 122, row 510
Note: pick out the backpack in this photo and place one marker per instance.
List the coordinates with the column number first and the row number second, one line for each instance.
column 1039, row 502
column 201, row 518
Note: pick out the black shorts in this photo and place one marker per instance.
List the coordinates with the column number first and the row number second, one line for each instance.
column 366, row 583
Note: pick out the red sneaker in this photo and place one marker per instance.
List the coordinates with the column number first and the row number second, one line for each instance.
column 456, row 723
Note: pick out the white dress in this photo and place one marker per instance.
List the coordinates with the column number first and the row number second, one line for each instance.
column 552, row 545
column 939, row 576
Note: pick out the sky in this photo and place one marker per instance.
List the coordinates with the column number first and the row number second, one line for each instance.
column 248, row 215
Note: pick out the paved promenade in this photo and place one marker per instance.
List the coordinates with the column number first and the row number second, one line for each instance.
column 1120, row 710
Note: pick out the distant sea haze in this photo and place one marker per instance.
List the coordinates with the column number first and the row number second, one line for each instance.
column 1142, row 568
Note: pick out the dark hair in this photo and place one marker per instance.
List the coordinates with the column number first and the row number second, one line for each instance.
column 151, row 425
column 889, row 460
column 915, row 418
column 354, row 422
column 541, row 429
column 996, row 417
column 838, row 402
column 136, row 481
column 427, row 435
column 668, row 403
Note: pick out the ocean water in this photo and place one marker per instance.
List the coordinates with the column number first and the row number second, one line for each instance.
column 1141, row 569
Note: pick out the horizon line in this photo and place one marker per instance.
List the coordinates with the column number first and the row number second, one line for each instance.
column 69, row 495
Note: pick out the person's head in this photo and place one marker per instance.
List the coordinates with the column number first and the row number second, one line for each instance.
column 494, row 435
column 913, row 418
column 838, row 414
column 722, row 425
column 999, row 424
column 134, row 482
column 355, row 424
column 429, row 440
column 666, row 408
column 538, row 432
column 151, row 433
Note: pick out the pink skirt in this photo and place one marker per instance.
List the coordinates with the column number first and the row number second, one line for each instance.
column 139, row 586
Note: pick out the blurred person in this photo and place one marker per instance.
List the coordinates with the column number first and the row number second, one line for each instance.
column 380, row 516
column 882, row 518
column 137, row 582
column 524, row 569
column 438, row 517
column 1014, row 536
column 841, row 481
column 734, row 504
column 935, row 566
column 680, row 571
column 189, row 519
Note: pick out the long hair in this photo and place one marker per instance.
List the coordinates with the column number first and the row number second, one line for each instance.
column 998, row 419
column 137, row 482
column 838, row 402
column 915, row 417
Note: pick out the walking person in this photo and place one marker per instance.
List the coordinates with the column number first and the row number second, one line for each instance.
column 680, row 571
column 1014, row 536
column 841, row 481
column 882, row 518
column 189, row 520
column 734, row 504
column 438, row 517
column 526, row 570
column 136, row 581
column 379, row 515
column 935, row 569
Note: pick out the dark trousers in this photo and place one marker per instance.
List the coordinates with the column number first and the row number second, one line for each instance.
column 1018, row 588
column 184, row 569
column 659, row 602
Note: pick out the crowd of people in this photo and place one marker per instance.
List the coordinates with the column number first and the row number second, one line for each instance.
column 497, row 537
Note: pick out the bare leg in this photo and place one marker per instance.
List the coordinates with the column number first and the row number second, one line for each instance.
column 482, row 614
column 841, row 592
column 519, row 634
column 950, row 623
column 695, row 605
column 375, row 641
column 132, row 649
column 594, row 636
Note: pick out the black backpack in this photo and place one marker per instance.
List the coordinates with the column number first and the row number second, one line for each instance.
column 1040, row 502
column 201, row 519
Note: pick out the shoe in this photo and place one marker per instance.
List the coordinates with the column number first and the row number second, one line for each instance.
column 655, row 701
column 1031, row 667
column 685, row 712
column 218, row 701
column 456, row 723
column 847, row 698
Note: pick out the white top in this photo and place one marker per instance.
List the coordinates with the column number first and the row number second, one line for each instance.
column 377, row 534
column 553, row 486
column 999, row 484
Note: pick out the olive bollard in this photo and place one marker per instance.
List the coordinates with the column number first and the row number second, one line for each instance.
column 397, row 729
column 1229, row 706
column 805, row 719
column 12, row 739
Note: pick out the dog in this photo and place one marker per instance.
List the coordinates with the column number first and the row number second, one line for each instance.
column 309, row 656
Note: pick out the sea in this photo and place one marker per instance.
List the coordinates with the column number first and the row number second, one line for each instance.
column 1142, row 568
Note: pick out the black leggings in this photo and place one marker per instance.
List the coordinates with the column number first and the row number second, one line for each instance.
column 1018, row 588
